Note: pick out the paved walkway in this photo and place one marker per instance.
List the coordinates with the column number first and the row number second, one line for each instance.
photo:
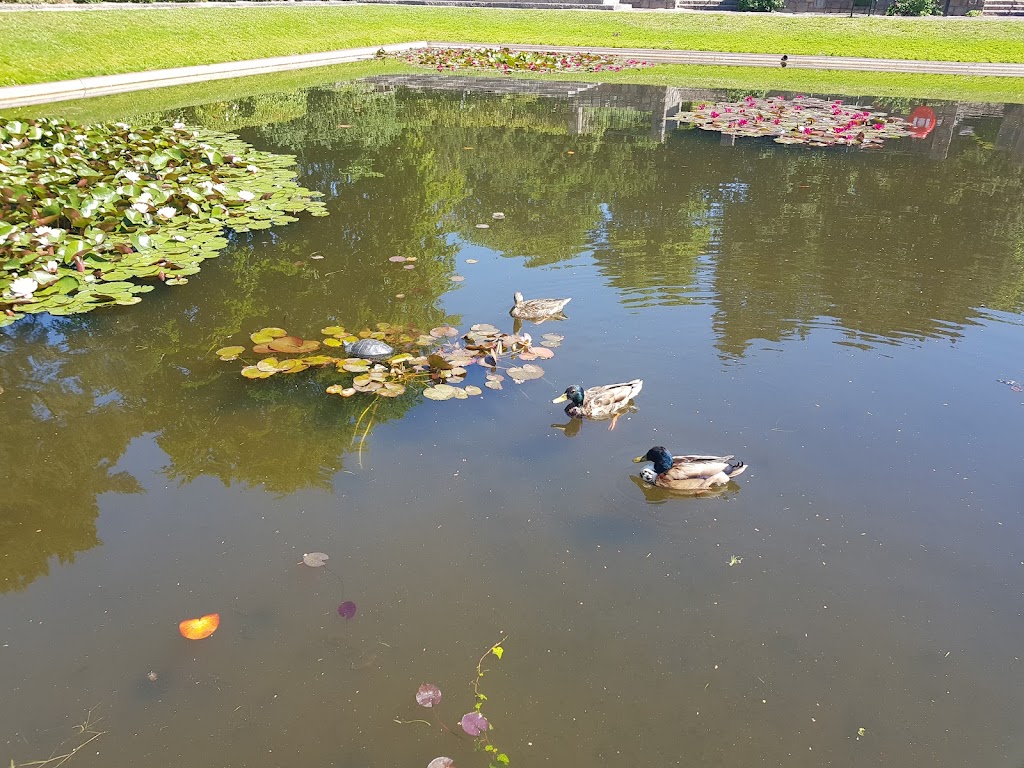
column 41, row 93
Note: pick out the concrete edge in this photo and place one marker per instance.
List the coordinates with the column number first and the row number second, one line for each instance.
column 63, row 90
column 87, row 87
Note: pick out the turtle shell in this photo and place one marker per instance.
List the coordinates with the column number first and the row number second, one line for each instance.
column 370, row 349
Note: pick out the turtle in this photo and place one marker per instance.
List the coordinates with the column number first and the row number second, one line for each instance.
column 369, row 349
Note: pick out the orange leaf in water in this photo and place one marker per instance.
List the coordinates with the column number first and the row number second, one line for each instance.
column 197, row 629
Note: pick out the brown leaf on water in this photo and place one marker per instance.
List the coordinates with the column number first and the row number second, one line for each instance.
column 293, row 345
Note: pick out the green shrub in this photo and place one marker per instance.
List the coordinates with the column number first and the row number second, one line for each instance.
column 761, row 5
column 913, row 8
column 973, row 14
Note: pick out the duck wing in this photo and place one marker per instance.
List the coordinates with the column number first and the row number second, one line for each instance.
column 610, row 397
column 697, row 466
column 541, row 307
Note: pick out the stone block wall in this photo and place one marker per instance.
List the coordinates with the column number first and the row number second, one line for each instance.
column 836, row 6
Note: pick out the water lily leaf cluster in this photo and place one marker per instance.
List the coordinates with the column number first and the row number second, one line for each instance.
column 801, row 120
column 437, row 361
column 93, row 215
column 506, row 60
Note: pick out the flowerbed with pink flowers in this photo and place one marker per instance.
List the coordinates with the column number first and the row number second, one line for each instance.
column 801, row 120
column 506, row 60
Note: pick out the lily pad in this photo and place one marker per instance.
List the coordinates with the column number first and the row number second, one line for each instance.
column 267, row 335
column 428, row 695
column 315, row 559
column 252, row 372
column 526, row 373
column 229, row 353
column 474, row 723
column 439, row 392
column 293, row 345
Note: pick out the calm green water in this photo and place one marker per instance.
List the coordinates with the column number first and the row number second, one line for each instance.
column 838, row 320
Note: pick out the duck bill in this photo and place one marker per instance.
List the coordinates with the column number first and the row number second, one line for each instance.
column 639, row 459
column 560, row 399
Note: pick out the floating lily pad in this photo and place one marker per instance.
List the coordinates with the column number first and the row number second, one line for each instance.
column 439, row 392
column 252, row 372
column 229, row 353
column 397, row 259
column 293, row 345
column 444, row 331
column 428, row 695
column 526, row 373
column 474, row 723
column 472, row 390
column 497, row 215
column 457, row 278
column 333, row 330
column 315, row 559
column 267, row 335
column 391, row 389
column 802, row 120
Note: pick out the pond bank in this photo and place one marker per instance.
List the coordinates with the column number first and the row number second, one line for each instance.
column 41, row 93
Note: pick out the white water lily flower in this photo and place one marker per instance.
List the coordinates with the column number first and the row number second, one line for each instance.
column 179, row 126
column 132, row 176
column 90, row 278
column 24, row 287
column 246, row 195
column 51, row 267
column 141, row 207
column 145, row 197
column 178, row 238
column 220, row 188
column 44, row 234
column 252, row 169
column 167, row 212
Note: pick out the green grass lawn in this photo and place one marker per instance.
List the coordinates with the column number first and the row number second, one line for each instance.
column 40, row 46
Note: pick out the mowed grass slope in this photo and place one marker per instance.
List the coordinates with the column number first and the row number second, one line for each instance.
column 41, row 46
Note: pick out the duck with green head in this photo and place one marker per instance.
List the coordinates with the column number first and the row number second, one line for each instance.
column 605, row 402
column 693, row 472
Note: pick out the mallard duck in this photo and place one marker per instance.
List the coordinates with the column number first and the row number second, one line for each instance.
column 537, row 309
column 605, row 402
column 688, row 473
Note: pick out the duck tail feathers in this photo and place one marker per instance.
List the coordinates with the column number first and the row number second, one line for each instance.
column 736, row 468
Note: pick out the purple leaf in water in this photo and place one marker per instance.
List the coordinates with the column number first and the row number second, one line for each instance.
column 347, row 609
column 428, row 695
column 441, row 762
column 474, row 723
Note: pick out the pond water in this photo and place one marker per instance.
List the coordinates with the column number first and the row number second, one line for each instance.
column 839, row 320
